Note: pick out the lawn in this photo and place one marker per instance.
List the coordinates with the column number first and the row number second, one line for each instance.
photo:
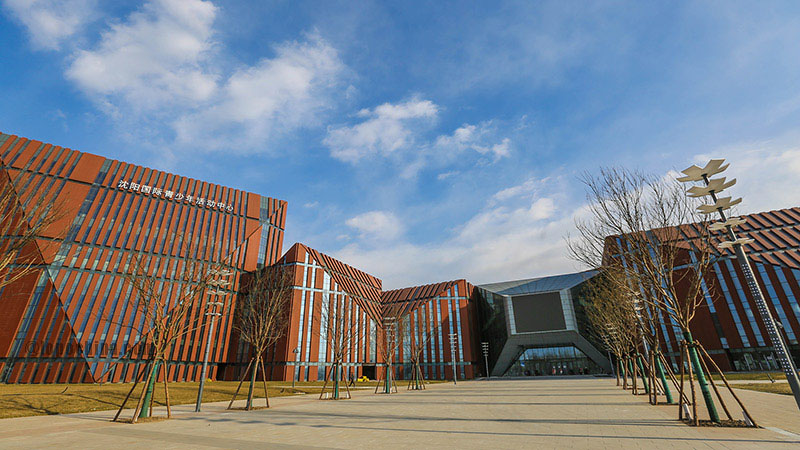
column 772, row 388
column 735, row 376
column 18, row 400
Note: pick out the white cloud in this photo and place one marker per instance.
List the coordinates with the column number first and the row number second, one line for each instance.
column 256, row 103
column 524, row 237
column 767, row 174
column 161, row 67
column 158, row 57
column 51, row 22
column 528, row 187
column 386, row 128
column 446, row 175
column 397, row 133
column 474, row 137
column 447, row 149
column 381, row 225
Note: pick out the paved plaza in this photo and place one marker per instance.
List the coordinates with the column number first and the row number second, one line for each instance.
column 536, row 413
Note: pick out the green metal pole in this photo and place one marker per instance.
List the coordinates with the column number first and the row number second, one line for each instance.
column 660, row 369
column 147, row 396
column 388, row 381
column 645, row 379
column 701, row 378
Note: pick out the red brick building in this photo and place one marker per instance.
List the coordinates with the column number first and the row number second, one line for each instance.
column 71, row 320
column 428, row 313
column 728, row 324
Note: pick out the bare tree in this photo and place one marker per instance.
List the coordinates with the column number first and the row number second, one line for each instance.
column 262, row 319
column 26, row 214
column 418, row 343
column 164, row 319
column 648, row 229
column 337, row 328
column 611, row 315
column 388, row 349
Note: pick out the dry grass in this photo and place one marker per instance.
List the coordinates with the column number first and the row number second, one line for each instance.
column 745, row 376
column 19, row 400
column 773, row 388
column 734, row 376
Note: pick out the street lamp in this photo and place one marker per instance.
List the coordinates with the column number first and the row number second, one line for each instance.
column 711, row 187
column 453, row 355
column 217, row 282
column 485, row 346
column 296, row 352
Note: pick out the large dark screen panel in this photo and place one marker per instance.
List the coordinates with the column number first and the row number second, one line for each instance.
column 538, row 312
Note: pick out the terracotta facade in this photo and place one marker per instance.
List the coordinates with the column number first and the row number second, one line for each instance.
column 71, row 320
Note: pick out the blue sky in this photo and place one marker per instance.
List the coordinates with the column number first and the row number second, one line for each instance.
column 419, row 141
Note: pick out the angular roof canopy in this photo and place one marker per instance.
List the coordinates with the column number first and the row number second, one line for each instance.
column 539, row 284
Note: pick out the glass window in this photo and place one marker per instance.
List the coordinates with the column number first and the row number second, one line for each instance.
column 731, row 306
column 773, row 296
column 745, row 303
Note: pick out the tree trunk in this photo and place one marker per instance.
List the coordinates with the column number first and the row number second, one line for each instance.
column 716, row 390
column 166, row 391
column 682, row 395
column 660, row 369
column 336, row 374
column 389, row 381
column 624, row 371
column 252, row 383
column 640, row 364
column 148, row 396
column 241, row 381
column 264, row 379
column 701, row 379
column 694, row 394
column 652, row 373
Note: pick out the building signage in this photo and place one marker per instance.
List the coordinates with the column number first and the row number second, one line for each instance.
column 170, row 195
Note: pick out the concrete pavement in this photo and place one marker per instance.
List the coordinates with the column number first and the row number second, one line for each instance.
column 536, row 413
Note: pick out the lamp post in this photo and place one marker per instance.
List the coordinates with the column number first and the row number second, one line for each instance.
column 485, row 347
column 218, row 281
column 296, row 352
column 453, row 355
column 711, row 187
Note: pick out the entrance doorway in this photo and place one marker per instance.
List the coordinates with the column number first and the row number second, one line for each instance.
column 368, row 371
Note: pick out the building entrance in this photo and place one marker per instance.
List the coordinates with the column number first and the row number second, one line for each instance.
column 557, row 360
column 368, row 371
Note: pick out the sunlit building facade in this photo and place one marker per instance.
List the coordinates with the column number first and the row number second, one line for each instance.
column 728, row 323
column 428, row 315
column 323, row 285
column 71, row 320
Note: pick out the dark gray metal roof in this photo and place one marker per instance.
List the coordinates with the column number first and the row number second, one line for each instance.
column 541, row 284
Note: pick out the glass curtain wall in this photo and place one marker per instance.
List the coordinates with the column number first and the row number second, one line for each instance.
column 556, row 360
